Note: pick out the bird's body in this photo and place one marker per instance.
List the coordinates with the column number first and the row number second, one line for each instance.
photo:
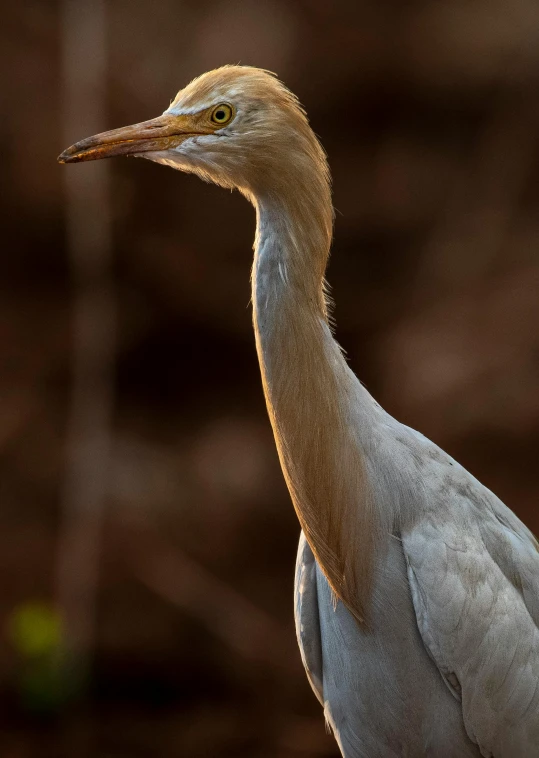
column 451, row 651
column 417, row 590
column 382, row 694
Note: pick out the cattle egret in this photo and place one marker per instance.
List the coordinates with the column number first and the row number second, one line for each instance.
column 417, row 589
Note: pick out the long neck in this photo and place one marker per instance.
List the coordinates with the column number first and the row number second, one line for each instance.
column 314, row 401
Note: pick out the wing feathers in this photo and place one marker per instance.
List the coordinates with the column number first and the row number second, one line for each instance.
column 474, row 574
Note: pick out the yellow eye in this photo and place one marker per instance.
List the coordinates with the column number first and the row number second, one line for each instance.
column 222, row 114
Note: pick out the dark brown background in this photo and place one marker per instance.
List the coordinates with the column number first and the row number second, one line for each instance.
column 428, row 111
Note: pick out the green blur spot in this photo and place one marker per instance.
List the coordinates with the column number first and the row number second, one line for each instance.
column 35, row 629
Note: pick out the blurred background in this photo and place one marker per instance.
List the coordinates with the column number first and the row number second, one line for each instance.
column 147, row 541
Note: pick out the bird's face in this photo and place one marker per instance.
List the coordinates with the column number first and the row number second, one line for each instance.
column 229, row 126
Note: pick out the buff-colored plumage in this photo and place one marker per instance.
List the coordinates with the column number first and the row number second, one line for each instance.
column 417, row 590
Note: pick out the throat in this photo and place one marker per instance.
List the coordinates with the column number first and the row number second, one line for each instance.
column 313, row 399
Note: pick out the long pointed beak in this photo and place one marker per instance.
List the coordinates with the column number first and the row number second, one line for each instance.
column 159, row 133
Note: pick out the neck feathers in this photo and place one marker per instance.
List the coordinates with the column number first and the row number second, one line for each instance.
column 313, row 399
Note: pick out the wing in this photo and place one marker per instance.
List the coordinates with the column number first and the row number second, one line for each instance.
column 473, row 569
column 307, row 617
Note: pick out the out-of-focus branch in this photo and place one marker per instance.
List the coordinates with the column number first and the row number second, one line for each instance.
column 226, row 613
column 89, row 248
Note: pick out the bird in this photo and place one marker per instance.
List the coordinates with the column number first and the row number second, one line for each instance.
column 416, row 589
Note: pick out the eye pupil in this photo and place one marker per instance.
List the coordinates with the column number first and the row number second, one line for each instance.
column 220, row 115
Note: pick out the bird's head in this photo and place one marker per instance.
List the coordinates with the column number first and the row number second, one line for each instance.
column 236, row 126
